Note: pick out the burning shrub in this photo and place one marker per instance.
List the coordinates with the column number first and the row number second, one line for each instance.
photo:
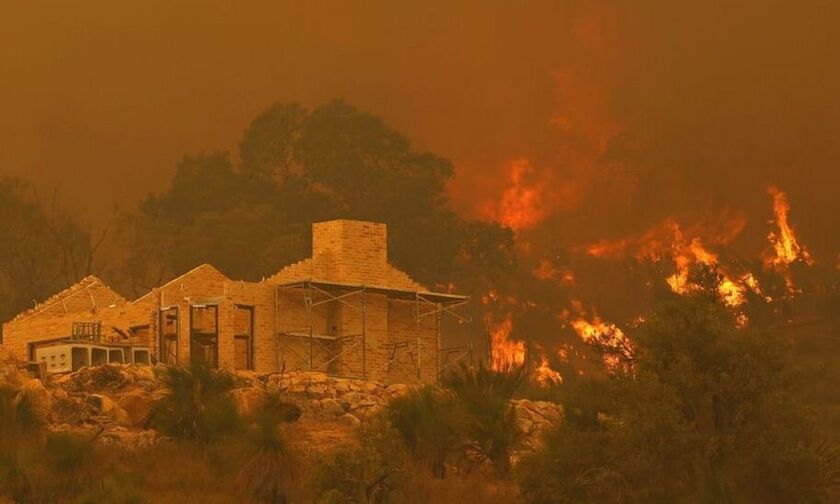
column 705, row 415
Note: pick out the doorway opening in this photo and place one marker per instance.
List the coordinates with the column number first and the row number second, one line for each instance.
column 243, row 337
column 204, row 335
column 168, row 351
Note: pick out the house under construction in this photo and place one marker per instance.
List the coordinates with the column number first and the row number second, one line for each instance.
column 345, row 311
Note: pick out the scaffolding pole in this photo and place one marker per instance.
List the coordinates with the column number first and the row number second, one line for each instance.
column 364, row 333
column 334, row 346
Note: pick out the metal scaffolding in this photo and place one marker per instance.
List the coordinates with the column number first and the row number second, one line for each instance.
column 331, row 342
column 328, row 345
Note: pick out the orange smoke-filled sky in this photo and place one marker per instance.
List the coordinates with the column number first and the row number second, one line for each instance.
column 626, row 112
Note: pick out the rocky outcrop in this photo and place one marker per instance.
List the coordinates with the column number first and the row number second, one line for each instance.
column 114, row 402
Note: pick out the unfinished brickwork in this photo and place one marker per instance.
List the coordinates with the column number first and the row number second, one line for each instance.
column 345, row 311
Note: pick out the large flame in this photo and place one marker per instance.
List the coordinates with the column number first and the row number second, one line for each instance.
column 524, row 203
column 608, row 336
column 504, row 352
column 686, row 250
column 785, row 248
column 597, row 330
column 784, row 242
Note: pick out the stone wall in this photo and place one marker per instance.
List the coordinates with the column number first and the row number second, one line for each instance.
column 120, row 398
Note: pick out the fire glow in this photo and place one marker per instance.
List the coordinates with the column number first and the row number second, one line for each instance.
column 523, row 204
column 687, row 247
column 784, row 247
column 504, row 352
column 545, row 375
column 609, row 336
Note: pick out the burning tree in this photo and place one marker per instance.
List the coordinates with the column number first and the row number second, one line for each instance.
column 704, row 414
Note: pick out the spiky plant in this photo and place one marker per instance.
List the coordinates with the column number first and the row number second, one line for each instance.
column 197, row 405
column 491, row 427
column 23, row 421
column 430, row 425
column 268, row 471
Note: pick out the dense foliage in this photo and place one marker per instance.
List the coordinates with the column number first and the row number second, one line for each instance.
column 702, row 411
column 197, row 405
column 251, row 216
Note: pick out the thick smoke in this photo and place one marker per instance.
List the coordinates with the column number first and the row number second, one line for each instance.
column 626, row 113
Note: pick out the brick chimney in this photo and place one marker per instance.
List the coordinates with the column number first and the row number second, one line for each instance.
column 357, row 250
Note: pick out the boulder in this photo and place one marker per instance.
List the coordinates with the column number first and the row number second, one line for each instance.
column 136, row 407
column 371, row 388
column 141, row 373
column 397, row 389
column 342, row 386
column 331, row 407
column 248, row 401
column 316, row 391
column 315, row 377
column 101, row 405
column 61, row 380
column 276, row 382
column 246, row 379
column 349, row 420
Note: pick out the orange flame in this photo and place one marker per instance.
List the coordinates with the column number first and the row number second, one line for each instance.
column 785, row 245
column 545, row 375
column 504, row 352
column 523, row 204
column 669, row 239
column 597, row 329
column 547, row 271
column 785, row 248
column 608, row 335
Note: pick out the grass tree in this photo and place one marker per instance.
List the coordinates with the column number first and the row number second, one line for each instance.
column 491, row 428
column 430, row 424
column 23, row 419
column 198, row 405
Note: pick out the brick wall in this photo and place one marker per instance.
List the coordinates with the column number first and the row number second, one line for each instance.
column 344, row 251
column 349, row 252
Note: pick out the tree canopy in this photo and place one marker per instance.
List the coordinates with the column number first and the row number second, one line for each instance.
column 251, row 216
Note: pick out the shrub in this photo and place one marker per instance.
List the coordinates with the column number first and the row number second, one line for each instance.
column 198, row 405
column 369, row 470
column 485, row 394
column 23, row 421
column 269, row 467
column 430, row 424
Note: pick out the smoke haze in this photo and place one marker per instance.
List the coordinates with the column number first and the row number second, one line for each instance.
column 626, row 113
